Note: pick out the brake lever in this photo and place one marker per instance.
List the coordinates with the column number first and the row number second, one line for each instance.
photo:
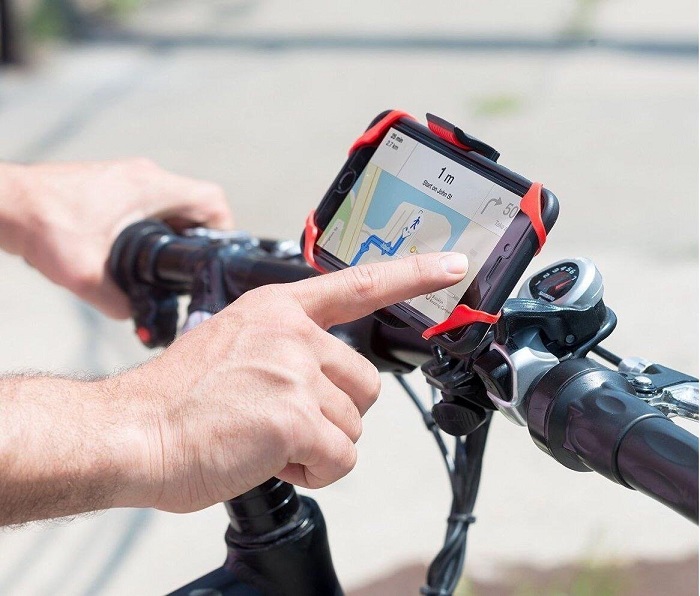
column 670, row 391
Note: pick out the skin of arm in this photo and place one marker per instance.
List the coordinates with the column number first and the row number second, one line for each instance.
column 206, row 420
column 68, row 447
column 62, row 218
column 61, row 437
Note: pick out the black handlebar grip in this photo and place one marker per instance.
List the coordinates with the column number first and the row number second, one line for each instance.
column 589, row 418
column 660, row 459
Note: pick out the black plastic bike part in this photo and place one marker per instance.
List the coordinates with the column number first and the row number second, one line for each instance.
column 366, row 336
column 533, row 335
column 465, row 139
column 464, row 401
column 445, row 570
column 249, row 270
column 175, row 269
column 494, row 371
column 220, row 582
column 296, row 562
column 657, row 377
column 277, row 542
column 590, row 418
column 574, row 282
column 136, row 250
column 608, row 326
column 458, row 418
column 264, row 511
column 209, row 292
column 563, row 328
column 464, row 472
column 153, row 309
column 149, row 256
column 667, row 390
column 404, row 345
column 607, row 355
column 453, row 378
column 291, row 560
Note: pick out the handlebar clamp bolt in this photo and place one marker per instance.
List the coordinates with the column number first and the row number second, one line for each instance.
column 644, row 384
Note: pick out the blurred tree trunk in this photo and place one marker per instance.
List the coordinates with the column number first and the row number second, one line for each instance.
column 10, row 34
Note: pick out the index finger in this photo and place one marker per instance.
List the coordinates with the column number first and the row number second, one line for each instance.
column 358, row 291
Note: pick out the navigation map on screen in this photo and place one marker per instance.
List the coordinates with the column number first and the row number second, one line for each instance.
column 411, row 199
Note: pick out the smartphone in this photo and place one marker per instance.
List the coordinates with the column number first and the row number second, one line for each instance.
column 414, row 192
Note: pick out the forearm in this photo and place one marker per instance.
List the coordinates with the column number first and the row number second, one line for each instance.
column 69, row 446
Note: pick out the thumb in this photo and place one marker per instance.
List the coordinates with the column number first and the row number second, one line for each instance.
column 356, row 292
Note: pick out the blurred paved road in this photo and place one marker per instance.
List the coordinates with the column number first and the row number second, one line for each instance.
column 264, row 97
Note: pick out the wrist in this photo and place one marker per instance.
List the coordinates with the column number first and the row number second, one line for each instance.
column 134, row 442
column 15, row 207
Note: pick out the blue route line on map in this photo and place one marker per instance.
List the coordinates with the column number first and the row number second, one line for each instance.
column 386, row 247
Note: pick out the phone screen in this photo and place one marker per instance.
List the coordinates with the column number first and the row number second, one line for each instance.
column 412, row 199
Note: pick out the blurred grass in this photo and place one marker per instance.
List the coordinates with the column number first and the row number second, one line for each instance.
column 585, row 579
column 67, row 19
column 502, row 104
column 581, row 23
column 47, row 21
column 121, row 7
column 589, row 581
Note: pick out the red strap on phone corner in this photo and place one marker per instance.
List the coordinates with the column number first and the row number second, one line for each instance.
column 310, row 237
column 531, row 205
column 373, row 135
column 461, row 316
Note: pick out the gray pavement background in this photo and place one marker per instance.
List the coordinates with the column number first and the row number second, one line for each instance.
column 265, row 97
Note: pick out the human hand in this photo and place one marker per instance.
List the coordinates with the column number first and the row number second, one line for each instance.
column 261, row 389
column 63, row 217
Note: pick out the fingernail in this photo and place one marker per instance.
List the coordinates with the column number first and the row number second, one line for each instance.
column 454, row 262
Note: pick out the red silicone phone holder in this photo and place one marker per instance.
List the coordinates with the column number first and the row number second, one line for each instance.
column 530, row 205
column 310, row 237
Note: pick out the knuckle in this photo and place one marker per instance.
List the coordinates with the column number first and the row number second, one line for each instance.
column 299, row 363
column 314, row 482
column 354, row 423
column 298, row 323
column 83, row 278
column 213, row 191
column 287, row 378
column 365, row 281
column 419, row 268
column 371, row 383
column 299, row 430
column 266, row 294
column 281, row 436
column 347, row 461
column 374, row 384
column 263, row 305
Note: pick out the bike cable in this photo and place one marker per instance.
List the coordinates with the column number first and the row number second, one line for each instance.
column 464, row 471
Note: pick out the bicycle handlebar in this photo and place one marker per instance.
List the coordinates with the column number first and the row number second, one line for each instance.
column 589, row 418
column 148, row 253
column 585, row 416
